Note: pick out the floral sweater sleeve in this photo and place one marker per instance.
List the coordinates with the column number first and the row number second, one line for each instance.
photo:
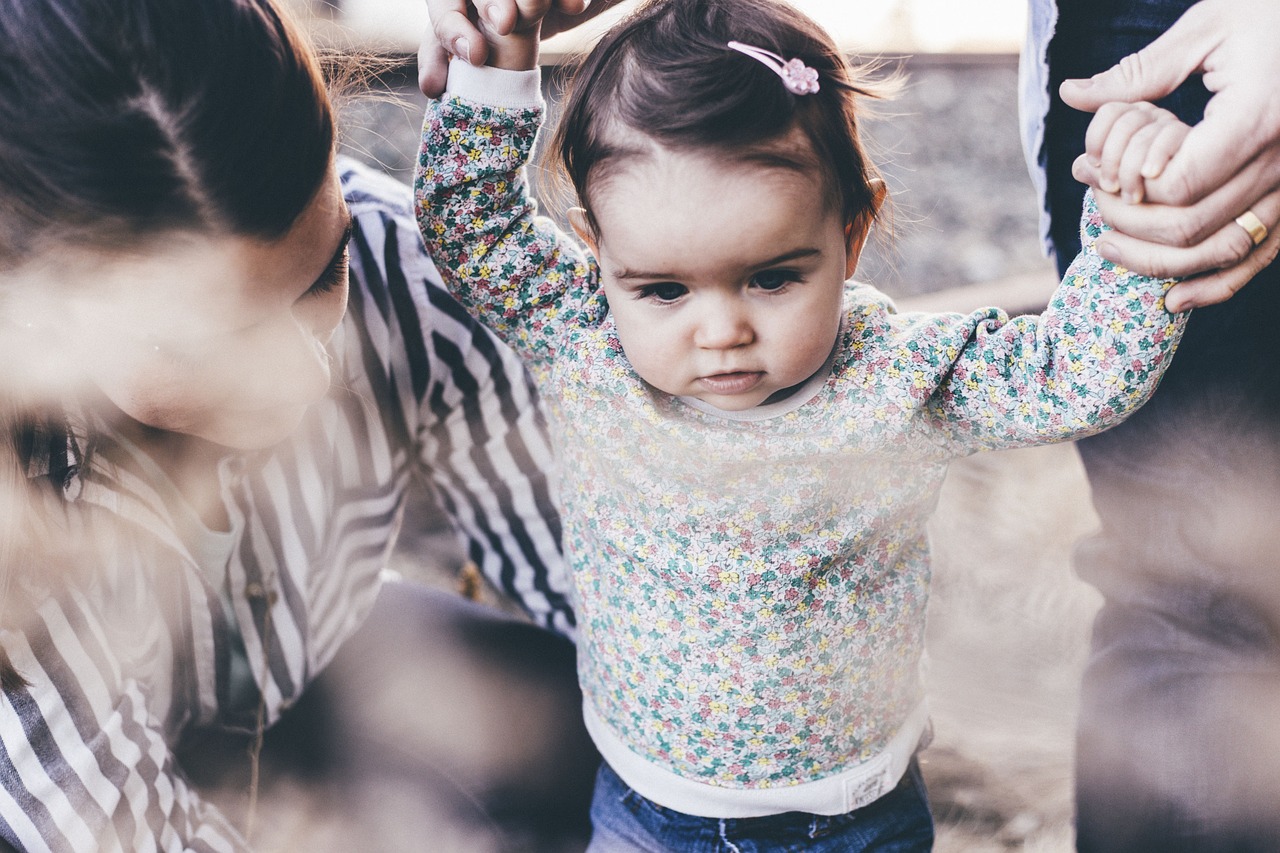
column 1091, row 358
column 518, row 272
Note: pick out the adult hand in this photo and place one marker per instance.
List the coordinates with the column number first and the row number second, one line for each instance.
column 454, row 31
column 1226, row 165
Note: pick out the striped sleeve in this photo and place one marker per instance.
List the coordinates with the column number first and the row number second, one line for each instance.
column 84, row 764
column 459, row 399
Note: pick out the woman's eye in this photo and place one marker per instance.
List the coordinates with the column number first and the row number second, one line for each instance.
column 665, row 291
column 333, row 277
column 773, row 279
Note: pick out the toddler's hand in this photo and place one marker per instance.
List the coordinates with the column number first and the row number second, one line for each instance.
column 1128, row 144
column 511, row 29
column 453, row 33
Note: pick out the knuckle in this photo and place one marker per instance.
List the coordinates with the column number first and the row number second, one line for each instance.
column 1111, row 109
column 1131, row 68
column 1235, row 248
column 1177, row 232
column 1179, row 189
column 1150, row 261
column 1222, row 290
column 1266, row 253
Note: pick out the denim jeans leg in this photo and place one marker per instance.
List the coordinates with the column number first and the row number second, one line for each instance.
column 625, row 822
column 622, row 821
column 1176, row 747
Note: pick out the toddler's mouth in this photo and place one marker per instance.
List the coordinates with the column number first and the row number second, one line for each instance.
column 737, row 382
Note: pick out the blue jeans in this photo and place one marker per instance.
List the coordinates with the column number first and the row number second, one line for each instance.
column 625, row 822
column 1177, row 747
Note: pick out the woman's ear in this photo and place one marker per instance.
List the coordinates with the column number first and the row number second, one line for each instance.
column 856, row 232
column 581, row 225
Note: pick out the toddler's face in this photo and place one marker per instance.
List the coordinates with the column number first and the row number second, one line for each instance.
column 724, row 278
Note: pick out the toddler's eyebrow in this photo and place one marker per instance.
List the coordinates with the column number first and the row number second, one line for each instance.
column 624, row 274
column 793, row 255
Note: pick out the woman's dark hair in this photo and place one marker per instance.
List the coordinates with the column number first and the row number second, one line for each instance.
column 667, row 73
column 121, row 119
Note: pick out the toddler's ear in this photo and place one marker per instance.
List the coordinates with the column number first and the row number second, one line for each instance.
column 581, row 224
column 856, row 232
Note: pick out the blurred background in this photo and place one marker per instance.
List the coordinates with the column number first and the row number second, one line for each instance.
column 902, row 26
column 1008, row 620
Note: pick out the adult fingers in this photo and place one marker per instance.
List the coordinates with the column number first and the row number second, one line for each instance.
column 433, row 65
column 453, row 32
column 1152, row 72
column 1229, row 248
column 1173, row 225
column 457, row 33
column 1239, row 127
column 1221, row 285
column 499, row 16
column 1233, row 43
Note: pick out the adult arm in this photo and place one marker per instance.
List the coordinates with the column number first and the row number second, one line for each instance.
column 462, row 400
column 456, row 31
column 84, row 763
column 1228, row 163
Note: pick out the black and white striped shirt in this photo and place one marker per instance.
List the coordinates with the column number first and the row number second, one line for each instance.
column 135, row 646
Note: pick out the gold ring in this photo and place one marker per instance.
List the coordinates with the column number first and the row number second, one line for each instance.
column 1250, row 222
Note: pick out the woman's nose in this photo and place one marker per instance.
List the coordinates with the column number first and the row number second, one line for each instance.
column 304, row 362
column 295, row 368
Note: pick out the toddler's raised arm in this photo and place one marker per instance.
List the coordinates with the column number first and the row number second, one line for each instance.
column 515, row 270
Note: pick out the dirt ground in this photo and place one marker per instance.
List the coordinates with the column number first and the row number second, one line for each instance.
column 1008, row 632
column 1009, row 622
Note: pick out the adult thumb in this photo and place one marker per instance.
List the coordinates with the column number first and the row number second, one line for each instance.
column 1149, row 74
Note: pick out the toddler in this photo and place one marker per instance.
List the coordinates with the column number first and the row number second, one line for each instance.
column 750, row 444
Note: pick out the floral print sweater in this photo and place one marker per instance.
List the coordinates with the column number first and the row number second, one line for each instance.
column 751, row 591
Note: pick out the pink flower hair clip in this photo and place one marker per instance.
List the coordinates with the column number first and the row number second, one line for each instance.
column 798, row 78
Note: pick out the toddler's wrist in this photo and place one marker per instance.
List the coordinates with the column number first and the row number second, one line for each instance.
column 494, row 87
column 515, row 52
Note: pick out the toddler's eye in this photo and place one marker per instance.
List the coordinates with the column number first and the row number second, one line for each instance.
column 663, row 291
column 773, row 279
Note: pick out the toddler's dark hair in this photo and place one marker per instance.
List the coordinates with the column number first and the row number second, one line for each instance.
column 126, row 120
column 667, row 73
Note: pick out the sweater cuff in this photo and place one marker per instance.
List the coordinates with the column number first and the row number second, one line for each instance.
column 494, row 87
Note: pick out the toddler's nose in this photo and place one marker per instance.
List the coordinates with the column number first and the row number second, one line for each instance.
column 724, row 328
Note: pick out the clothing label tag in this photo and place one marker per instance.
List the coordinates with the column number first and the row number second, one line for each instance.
column 870, row 786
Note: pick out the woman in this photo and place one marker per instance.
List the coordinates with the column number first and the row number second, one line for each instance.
column 210, row 424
